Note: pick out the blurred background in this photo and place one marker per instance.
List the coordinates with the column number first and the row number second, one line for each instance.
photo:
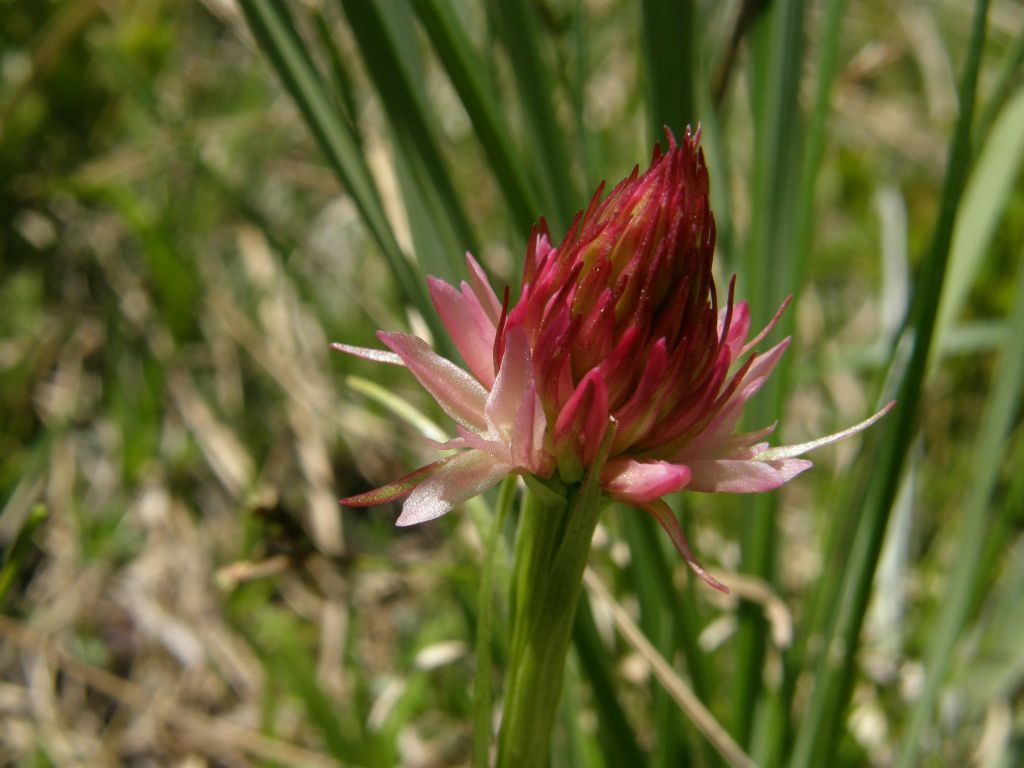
column 197, row 197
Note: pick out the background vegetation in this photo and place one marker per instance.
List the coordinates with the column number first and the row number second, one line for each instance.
column 195, row 198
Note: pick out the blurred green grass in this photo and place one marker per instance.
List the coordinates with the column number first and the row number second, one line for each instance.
column 177, row 250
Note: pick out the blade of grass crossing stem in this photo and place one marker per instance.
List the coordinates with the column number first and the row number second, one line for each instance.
column 778, row 52
column 825, row 712
column 999, row 416
column 485, row 613
column 273, row 29
column 467, row 73
column 648, row 569
column 671, row 55
column 516, row 25
column 814, row 146
column 614, row 732
column 669, row 619
column 389, row 48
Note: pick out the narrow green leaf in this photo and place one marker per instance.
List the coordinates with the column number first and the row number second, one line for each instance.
column 778, row 43
column 408, row 113
column 671, row 54
column 467, row 73
column 985, row 198
column 1001, row 409
column 615, row 732
column 824, row 715
column 274, row 31
column 517, row 29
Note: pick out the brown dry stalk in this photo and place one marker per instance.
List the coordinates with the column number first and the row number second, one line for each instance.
column 673, row 684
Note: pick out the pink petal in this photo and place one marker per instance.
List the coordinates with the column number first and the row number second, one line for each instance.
column 789, row 451
column 743, row 475
column 459, row 394
column 636, row 482
column 667, row 519
column 513, row 384
column 468, row 325
column 760, row 370
column 463, row 477
column 482, row 289
column 397, row 488
column 377, row 355
column 765, row 331
column 513, row 407
column 739, row 327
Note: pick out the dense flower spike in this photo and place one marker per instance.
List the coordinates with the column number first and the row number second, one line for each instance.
column 620, row 321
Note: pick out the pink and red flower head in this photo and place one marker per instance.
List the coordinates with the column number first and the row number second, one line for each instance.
column 619, row 321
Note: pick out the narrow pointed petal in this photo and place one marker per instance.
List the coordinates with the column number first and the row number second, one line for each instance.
column 514, row 382
column 397, row 488
column 744, row 475
column 376, row 355
column 760, row 370
column 462, row 477
column 468, row 325
column 666, row 519
column 636, row 482
column 767, row 329
column 790, row 451
column 738, row 328
column 460, row 395
column 482, row 289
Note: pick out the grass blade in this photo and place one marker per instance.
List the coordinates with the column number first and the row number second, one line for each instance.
column 517, row 28
column 466, row 71
column 1000, row 414
column 273, row 29
column 985, row 198
column 390, row 69
column 778, row 48
column 671, row 55
column 818, row 729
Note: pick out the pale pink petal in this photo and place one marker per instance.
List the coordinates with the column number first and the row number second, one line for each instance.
column 635, row 482
column 789, row 451
column 667, row 519
column 760, row 370
column 396, row 488
column 376, row 355
column 460, row 395
column 767, row 329
column 482, row 289
column 462, row 478
column 448, row 445
column 743, row 476
column 468, row 325
column 513, row 405
column 528, row 435
column 490, row 443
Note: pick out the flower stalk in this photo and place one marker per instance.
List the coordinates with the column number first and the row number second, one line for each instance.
column 551, row 555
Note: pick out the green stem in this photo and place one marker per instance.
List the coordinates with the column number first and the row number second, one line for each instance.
column 551, row 553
